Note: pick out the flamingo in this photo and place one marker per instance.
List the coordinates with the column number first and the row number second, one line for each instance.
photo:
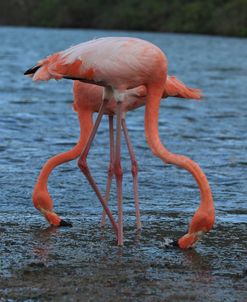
column 112, row 76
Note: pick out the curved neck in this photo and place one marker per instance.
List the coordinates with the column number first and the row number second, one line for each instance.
column 86, row 124
column 153, row 139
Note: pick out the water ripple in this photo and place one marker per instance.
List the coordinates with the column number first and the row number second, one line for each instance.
column 37, row 122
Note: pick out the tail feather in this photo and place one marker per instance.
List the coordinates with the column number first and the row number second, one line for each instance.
column 176, row 88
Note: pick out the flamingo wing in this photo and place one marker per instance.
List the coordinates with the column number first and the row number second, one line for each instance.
column 112, row 60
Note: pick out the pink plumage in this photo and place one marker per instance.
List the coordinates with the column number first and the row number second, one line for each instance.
column 133, row 73
column 120, row 62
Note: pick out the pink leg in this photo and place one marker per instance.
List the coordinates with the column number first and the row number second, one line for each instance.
column 134, row 170
column 82, row 163
column 110, row 169
column 119, row 174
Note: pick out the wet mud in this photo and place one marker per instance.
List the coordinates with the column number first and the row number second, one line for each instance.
column 84, row 264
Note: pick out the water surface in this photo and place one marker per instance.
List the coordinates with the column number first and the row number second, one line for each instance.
column 83, row 263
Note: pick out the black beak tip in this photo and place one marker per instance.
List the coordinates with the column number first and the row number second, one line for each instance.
column 31, row 70
column 64, row 223
column 175, row 243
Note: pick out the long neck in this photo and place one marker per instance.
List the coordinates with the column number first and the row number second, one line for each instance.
column 153, row 139
column 86, row 124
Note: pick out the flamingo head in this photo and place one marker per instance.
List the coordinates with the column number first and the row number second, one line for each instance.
column 43, row 202
column 189, row 240
column 201, row 223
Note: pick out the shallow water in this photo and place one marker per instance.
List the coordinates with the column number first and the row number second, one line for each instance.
column 83, row 263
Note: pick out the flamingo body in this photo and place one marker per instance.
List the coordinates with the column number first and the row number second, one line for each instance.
column 121, row 62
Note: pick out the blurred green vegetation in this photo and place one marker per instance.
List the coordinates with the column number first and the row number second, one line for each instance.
column 220, row 17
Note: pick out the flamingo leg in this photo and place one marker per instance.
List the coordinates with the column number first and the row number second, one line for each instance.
column 134, row 170
column 119, row 173
column 110, row 168
column 82, row 163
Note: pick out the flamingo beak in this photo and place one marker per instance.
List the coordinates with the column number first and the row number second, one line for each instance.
column 32, row 70
column 64, row 223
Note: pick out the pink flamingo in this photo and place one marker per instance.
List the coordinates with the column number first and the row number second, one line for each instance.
column 133, row 73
